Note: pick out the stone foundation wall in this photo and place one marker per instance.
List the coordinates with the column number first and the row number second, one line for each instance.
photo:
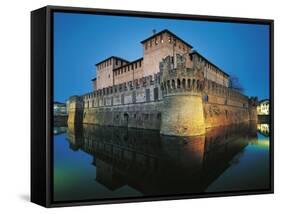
column 222, row 115
column 183, row 116
column 141, row 115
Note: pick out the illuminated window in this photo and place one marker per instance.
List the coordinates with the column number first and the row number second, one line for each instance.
column 161, row 38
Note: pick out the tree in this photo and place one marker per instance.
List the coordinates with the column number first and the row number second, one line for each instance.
column 235, row 84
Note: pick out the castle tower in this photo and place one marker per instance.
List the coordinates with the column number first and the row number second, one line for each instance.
column 75, row 110
column 104, row 72
column 159, row 46
column 182, row 99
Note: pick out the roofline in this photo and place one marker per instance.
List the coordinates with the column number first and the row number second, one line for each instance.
column 114, row 57
column 130, row 63
column 195, row 52
column 264, row 100
column 167, row 31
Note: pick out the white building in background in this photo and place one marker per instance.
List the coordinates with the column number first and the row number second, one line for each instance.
column 263, row 107
column 60, row 109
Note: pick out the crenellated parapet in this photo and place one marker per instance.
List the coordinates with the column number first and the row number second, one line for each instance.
column 75, row 102
column 126, row 86
column 181, row 79
column 142, row 90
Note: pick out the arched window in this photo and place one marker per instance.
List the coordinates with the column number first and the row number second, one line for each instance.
column 173, row 84
column 183, row 83
column 178, row 83
column 158, row 116
column 193, row 83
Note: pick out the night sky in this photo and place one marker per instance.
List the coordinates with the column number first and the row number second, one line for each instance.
column 82, row 40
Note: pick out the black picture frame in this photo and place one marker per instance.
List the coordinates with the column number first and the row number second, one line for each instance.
column 42, row 102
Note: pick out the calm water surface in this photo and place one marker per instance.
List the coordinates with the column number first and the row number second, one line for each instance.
column 94, row 162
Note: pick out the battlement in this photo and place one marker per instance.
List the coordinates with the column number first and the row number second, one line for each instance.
column 125, row 86
column 75, row 102
column 146, row 89
column 181, row 79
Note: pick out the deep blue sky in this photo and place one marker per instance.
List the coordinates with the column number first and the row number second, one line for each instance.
column 82, row 40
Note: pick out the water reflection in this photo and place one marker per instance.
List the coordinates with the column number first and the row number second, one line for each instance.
column 116, row 162
column 263, row 129
column 59, row 130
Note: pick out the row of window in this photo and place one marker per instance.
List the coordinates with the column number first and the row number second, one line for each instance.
column 128, row 68
column 155, row 40
column 212, row 68
column 159, row 39
column 110, row 62
column 134, row 99
column 216, row 77
column 105, row 64
column 208, row 65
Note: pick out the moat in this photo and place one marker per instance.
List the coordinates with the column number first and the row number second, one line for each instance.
column 97, row 162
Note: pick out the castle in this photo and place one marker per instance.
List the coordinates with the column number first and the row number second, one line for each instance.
column 172, row 88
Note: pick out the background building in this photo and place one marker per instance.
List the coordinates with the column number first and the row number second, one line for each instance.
column 263, row 107
column 59, row 109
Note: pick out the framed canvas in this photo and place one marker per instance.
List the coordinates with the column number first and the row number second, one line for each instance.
column 132, row 106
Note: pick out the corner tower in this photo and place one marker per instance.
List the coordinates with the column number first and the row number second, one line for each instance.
column 182, row 88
